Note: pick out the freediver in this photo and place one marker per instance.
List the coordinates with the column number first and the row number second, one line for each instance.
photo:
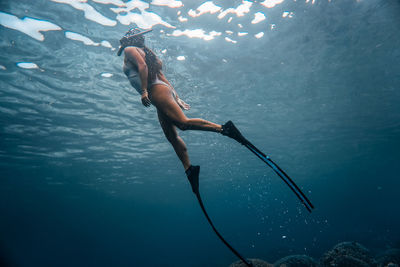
column 144, row 72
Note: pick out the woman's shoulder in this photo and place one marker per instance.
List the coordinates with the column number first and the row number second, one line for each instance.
column 133, row 49
column 130, row 49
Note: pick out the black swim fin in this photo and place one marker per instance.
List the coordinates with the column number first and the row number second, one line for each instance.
column 193, row 176
column 230, row 130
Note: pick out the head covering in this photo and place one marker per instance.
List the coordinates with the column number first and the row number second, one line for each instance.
column 133, row 37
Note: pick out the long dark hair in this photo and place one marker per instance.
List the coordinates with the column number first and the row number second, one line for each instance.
column 134, row 38
column 154, row 65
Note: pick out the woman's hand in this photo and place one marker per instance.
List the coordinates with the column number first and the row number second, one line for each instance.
column 145, row 99
column 182, row 104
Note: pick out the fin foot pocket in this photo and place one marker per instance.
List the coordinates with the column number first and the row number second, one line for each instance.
column 229, row 129
column 193, row 176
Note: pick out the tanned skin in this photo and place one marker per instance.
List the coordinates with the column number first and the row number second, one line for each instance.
column 169, row 106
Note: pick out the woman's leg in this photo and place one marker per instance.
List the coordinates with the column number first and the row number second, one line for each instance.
column 175, row 140
column 161, row 96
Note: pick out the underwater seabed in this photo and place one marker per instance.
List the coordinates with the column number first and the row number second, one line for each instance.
column 345, row 254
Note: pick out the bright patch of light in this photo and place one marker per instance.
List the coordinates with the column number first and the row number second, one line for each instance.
column 106, row 75
column 78, row 37
column 259, row 35
column 145, row 20
column 258, row 17
column 239, row 11
column 240, row 25
column 182, row 19
column 27, row 65
column 206, row 7
column 164, row 51
column 198, row 33
column 242, row 33
column 2, row 67
column 230, row 40
column 229, row 32
column 168, row 3
column 287, row 14
column 29, row 26
column 131, row 5
column 106, row 44
column 90, row 13
column 112, row 2
column 180, row 58
column 271, row 3
column 230, row 19
column 225, row 12
column 243, row 8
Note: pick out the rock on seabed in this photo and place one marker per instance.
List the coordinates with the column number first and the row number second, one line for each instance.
column 347, row 254
column 390, row 257
column 296, row 261
column 255, row 262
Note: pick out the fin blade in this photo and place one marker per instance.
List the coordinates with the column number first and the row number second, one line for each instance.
column 289, row 182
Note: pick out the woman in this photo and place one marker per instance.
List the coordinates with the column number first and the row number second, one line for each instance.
column 144, row 71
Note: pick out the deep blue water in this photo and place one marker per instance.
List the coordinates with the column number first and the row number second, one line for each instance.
column 88, row 179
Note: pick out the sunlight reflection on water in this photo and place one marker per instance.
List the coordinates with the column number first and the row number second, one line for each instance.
column 126, row 14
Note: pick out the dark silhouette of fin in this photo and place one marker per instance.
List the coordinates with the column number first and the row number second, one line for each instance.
column 193, row 176
column 230, row 130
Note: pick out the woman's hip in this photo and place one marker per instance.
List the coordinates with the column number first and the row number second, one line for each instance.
column 160, row 93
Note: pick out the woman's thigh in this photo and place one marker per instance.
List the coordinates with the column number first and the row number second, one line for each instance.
column 168, row 128
column 162, row 98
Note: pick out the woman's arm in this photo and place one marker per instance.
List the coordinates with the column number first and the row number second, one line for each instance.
column 132, row 54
